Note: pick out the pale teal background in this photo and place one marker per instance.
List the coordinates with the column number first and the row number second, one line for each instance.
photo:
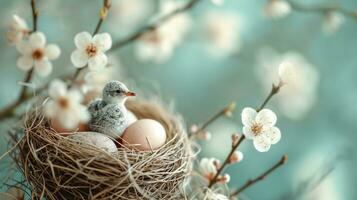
column 200, row 85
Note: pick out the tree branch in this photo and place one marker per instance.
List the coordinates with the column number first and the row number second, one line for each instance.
column 151, row 27
column 226, row 162
column 274, row 90
column 225, row 111
column 8, row 110
column 251, row 182
column 322, row 9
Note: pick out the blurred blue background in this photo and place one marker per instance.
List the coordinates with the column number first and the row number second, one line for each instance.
column 200, row 85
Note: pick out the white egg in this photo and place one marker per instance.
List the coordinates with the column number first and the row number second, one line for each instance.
column 98, row 140
column 144, row 135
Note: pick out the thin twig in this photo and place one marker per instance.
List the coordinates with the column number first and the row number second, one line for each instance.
column 102, row 15
column 322, row 9
column 226, row 162
column 251, row 182
column 8, row 110
column 274, row 90
column 153, row 26
column 226, row 111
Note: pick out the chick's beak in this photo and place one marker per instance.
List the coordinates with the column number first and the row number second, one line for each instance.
column 130, row 94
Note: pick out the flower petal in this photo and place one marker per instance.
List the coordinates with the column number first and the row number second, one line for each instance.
column 68, row 119
column 52, row 51
column 261, row 144
column 103, row 41
column 57, row 89
column 207, row 166
column 43, row 67
column 266, row 117
column 287, row 72
column 75, row 96
column 37, row 40
column 84, row 115
column 273, row 135
column 97, row 62
column 25, row 63
column 248, row 116
column 247, row 131
column 79, row 58
column 82, row 40
column 24, row 48
column 50, row 109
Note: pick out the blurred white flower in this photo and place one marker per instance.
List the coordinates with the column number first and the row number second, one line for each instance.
column 299, row 93
column 260, row 127
column 14, row 193
column 333, row 21
column 35, row 53
column 208, row 167
column 277, row 8
column 211, row 195
column 159, row 44
column 286, row 73
column 236, row 157
column 90, row 50
column 65, row 105
column 128, row 14
column 18, row 29
column 221, row 33
column 218, row 2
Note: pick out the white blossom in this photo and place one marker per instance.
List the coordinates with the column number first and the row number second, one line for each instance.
column 277, row 8
column 90, row 50
column 221, row 34
column 35, row 53
column 65, row 105
column 218, row 2
column 18, row 29
column 208, row 167
column 128, row 14
column 333, row 21
column 260, row 127
column 159, row 44
column 301, row 79
column 211, row 195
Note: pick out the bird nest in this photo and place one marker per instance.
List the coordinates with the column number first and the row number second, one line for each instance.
column 56, row 167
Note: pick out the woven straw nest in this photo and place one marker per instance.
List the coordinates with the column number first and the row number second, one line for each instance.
column 57, row 167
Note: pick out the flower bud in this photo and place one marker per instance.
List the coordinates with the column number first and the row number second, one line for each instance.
column 217, row 163
column 228, row 111
column 235, row 139
column 205, row 135
column 224, row 179
column 236, row 157
column 194, row 128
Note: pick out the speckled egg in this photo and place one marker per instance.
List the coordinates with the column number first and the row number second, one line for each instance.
column 98, row 140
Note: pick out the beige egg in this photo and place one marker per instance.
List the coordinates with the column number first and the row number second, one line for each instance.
column 144, row 135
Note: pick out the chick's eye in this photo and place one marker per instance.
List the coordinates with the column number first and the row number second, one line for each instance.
column 118, row 91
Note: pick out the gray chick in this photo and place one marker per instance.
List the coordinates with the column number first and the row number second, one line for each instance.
column 109, row 115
